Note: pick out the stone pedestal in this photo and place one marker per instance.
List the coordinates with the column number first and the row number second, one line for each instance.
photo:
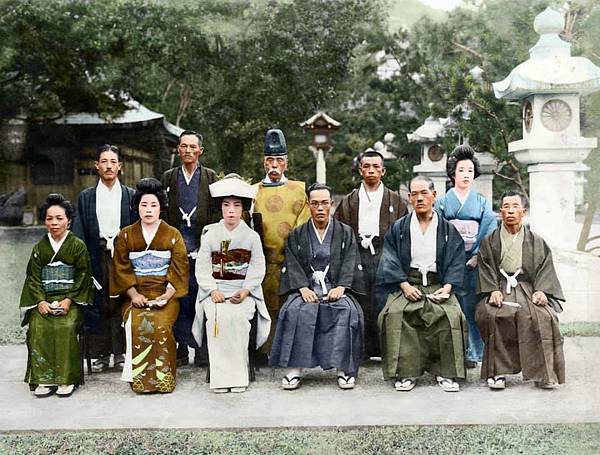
column 552, row 202
column 483, row 183
column 435, row 173
column 554, row 169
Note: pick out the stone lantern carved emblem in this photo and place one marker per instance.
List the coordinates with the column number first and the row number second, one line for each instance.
column 435, row 153
column 556, row 115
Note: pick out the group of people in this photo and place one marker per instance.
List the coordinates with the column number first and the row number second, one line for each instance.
column 193, row 262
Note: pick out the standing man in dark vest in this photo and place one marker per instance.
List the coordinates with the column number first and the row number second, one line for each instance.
column 102, row 211
column 190, row 209
column 370, row 210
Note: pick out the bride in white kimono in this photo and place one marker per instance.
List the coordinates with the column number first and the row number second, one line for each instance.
column 230, row 268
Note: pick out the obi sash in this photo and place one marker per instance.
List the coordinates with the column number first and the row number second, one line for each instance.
column 230, row 264
column 57, row 276
column 468, row 230
column 150, row 262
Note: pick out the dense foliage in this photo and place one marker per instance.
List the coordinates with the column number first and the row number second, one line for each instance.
column 232, row 69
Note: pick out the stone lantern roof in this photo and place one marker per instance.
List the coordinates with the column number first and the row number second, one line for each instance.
column 320, row 119
column 428, row 131
column 550, row 68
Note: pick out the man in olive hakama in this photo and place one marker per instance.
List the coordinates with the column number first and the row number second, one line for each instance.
column 280, row 206
column 422, row 327
column 518, row 315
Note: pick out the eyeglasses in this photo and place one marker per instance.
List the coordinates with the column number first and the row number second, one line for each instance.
column 317, row 204
column 191, row 147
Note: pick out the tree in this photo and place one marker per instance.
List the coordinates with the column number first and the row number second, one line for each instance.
column 434, row 79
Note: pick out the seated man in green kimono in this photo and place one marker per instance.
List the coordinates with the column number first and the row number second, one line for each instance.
column 517, row 316
column 422, row 327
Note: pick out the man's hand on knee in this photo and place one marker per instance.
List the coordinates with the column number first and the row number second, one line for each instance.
column 308, row 295
column 410, row 292
column 336, row 293
column 539, row 298
column 442, row 294
column 496, row 298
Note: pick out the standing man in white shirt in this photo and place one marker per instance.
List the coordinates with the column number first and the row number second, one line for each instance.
column 190, row 209
column 102, row 211
column 370, row 210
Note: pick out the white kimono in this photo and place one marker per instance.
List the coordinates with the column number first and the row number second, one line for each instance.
column 229, row 261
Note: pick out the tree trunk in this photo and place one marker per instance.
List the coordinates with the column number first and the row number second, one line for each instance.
column 584, row 236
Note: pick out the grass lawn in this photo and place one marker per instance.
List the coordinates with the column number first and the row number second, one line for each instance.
column 477, row 439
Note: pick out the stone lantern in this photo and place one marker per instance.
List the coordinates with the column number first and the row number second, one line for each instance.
column 320, row 126
column 383, row 147
column 550, row 85
column 433, row 160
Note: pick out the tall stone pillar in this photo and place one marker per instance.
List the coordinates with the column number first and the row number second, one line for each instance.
column 483, row 183
column 550, row 85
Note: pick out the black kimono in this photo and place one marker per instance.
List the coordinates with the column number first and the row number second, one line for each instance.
column 103, row 318
column 325, row 334
column 392, row 208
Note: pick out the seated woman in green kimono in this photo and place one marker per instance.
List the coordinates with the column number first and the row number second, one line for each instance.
column 59, row 280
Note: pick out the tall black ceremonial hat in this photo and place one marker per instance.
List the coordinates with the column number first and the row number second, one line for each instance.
column 275, row 143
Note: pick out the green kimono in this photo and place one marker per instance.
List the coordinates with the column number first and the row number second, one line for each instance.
column 53, row 348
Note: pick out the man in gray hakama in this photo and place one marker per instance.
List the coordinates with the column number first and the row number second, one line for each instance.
column 422, row 327
column 518, row 315
column 319, row 324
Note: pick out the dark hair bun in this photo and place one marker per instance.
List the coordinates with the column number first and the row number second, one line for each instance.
column 59, row 200
column 55, row 199
column 148, row 185
column 461, row 153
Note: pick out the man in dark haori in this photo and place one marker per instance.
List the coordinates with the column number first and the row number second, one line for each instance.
column 370, row 210
column 319, row 324
column 102, row 211
column 422, row 327
column 518, row 316
column 190, row 209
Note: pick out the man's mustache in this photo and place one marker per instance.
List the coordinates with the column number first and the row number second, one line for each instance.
column 275, row 171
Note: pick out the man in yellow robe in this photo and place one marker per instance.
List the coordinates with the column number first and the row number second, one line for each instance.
column 280, row 206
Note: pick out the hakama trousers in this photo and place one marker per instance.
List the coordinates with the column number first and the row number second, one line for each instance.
column 523, row 339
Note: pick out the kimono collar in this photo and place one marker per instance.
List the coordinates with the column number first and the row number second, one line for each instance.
column 268, row 182
column 186, row 176
column 462, row 199
column 56, row 245
column 149, row 233
column 235, row 230
column 377, row 194
column 106, row 190
column 312, row 223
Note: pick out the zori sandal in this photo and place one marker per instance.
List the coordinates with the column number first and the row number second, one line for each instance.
column 345, row 382
column 405, row 384
column 291, row 383
column 447, row 384
column 496, row 382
